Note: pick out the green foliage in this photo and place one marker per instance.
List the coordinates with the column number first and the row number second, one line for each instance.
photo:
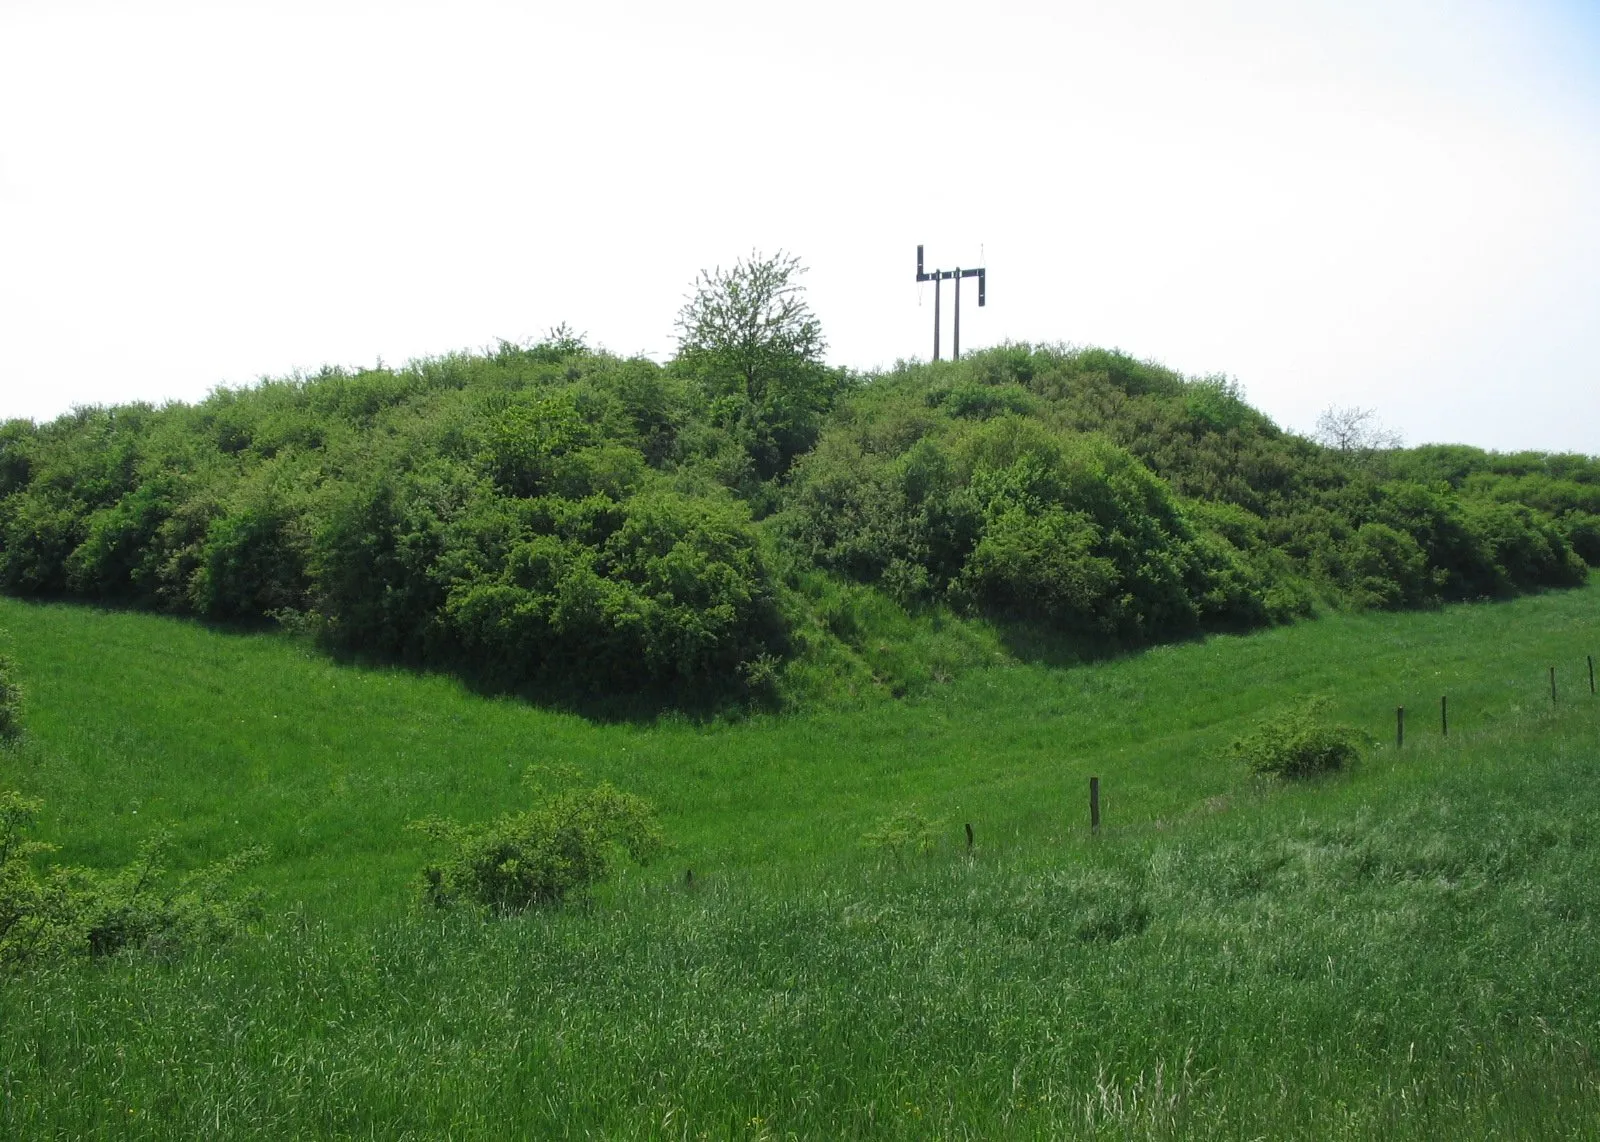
column 903, row 833
column 1296, row 743
column 10, row 700
column 1583, row 533
column 68, row 911
column 1014, row 518
column 1386, row 568
column 527, row 516
column 749, row 339
column 553, row 517
column 660, row 587
column 1105, row 497
column 540, row 857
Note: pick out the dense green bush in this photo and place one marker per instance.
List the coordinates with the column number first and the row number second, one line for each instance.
column 539, row 857
column 67, row 911
column 1386, row 568
column 659, row 587
column 1222, row 520
column 542, row 513
column 1583, row 533
column 1012, row 517
column 1297, row 743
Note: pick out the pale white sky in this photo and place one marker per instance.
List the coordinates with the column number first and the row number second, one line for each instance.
column 1336, row 202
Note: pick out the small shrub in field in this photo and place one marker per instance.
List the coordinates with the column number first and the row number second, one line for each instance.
column 541, row 856
column 75, row 911
column 907, row 831
column 10, row 700
column 1297, row 743
column 145, row 906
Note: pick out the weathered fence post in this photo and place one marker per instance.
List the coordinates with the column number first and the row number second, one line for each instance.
column 1094, row 804
column 1552, row 685
column 1444, row 715
column 1399, row 726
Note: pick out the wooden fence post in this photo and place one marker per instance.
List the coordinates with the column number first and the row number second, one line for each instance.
column 1399, row 726
column 1094, row 804
column 1444, row 715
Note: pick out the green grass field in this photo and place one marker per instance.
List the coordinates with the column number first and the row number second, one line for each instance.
column 1407, row 950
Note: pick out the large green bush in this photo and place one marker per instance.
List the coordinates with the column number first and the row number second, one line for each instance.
column 660, row 587
column 1386, row 568
column 1012, row 517
column 1583, row 533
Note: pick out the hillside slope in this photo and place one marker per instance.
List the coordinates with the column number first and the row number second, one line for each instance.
column 1405, row 950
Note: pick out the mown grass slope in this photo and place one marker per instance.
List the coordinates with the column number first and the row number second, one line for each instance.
column 1408, row 950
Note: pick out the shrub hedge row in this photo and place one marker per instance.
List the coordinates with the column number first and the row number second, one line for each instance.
column 552, row 513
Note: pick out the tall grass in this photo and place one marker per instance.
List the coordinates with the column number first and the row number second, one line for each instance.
column 1408, row 950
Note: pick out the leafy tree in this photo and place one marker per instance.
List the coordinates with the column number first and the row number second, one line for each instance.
column 750, row 337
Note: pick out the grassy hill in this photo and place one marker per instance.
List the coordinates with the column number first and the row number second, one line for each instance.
column 825, row 623
column 1405, row 950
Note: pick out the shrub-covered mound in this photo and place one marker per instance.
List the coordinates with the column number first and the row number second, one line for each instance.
column 545, row 513
column 557, row 515
column 1096, row 493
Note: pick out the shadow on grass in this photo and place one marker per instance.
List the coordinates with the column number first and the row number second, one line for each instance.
column 696, row 701
column 1036, row 644
column 562, row 691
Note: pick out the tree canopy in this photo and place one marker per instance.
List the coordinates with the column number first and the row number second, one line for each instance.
column 748, row 335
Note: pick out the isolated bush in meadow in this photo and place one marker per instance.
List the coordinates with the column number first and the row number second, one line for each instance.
column 903, row 833
column 542, row 856
column 1297, row 743
column 65, row 911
